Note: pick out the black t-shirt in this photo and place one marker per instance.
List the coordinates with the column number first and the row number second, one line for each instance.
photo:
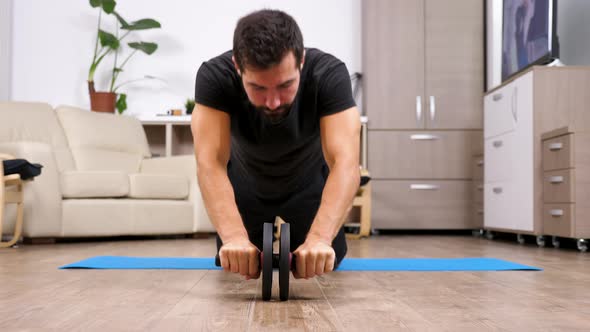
column 276, row 159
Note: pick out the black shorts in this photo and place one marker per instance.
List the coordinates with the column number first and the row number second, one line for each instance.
column 298, row 209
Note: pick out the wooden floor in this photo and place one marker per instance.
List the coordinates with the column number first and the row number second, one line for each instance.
column 36, row 296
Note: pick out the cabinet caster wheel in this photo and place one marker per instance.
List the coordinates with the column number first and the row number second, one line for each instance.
column 541, row 241
column 477, row 232
column 582, row 245
column 520, row 238
column 555, row 241
column 489, row 235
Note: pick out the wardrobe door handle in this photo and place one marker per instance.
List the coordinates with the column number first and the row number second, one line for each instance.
column 424, row 137
column 432, row 108
column 498, row 144
column 418, row 109
column 556, row 212
column 555, row 146
column 497, row 96
column 424, row 186
column 556, row 179
column 497, row 190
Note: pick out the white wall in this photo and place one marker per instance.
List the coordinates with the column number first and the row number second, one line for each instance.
column 573, row 29
column 53, row 44
column 494, row 43
column 5, row 48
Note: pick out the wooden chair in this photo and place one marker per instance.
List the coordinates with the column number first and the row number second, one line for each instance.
column 363, row 201
column 11, row 191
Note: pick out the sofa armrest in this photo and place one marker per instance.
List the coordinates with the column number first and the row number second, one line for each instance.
column 182, row 165
column 42, row 197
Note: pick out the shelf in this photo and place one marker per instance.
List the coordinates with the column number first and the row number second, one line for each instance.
column 168, row 135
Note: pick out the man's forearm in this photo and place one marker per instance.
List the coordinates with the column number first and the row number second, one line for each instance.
column 219, row 199
column 339, row 192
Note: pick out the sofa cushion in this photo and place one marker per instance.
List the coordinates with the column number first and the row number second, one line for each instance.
column 158, row 186
column 94, row 184
column 113, row 217
column 35, row 122
column 101, row 141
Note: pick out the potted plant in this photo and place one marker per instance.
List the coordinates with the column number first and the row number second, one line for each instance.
column 106, row 101
column 189, row 105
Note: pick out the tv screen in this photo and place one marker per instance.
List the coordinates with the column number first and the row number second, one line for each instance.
column 527, row 34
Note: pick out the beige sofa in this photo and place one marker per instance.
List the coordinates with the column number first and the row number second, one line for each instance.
column 98, row 178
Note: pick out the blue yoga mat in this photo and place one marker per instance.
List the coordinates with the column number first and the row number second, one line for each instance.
column 347, row 264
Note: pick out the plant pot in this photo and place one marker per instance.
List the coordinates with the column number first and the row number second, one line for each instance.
column 103, row 101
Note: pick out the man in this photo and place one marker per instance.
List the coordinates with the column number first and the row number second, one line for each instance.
column 276, row 133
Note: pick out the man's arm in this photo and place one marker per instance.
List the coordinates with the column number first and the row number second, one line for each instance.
column 340, row 135
column 211, row 133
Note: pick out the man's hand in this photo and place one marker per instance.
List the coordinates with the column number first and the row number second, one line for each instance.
column 314, row 258
column 240, row 256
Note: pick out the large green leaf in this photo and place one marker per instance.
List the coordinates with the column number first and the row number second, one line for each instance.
column 143, row 24
column 108, row 40
column 121, row 103
column 95, row 3
column 108, row 6
column 147, row 48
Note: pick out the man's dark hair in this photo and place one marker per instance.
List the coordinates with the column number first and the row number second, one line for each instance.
column 264, row 37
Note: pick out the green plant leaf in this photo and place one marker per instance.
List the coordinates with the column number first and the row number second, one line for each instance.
column 108, row 6
column 121, row 20
column 143, row 24
column 108, row 40
column 189, row 105
column 118, row 70
column 145, row 47
column 121, row 103
column 95, row 3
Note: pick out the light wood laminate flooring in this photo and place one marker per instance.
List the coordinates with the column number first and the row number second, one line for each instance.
column 36, row 296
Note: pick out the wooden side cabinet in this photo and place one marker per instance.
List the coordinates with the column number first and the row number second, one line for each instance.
column 566, row 185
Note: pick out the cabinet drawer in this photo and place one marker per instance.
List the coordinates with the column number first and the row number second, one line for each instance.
column 420, row 154
column 499, row 111
column 477, row 215
column 402, row 204
column 477, row 191
column 501, row 158
column 509, row 205
column 558, row 219
column 558, row 186
column 477, row 165
column 557, row 153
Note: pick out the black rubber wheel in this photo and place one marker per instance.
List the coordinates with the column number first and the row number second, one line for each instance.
column 284, row 264
column 266, row 261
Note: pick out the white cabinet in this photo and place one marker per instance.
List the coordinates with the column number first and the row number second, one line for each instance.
column 498, row 115
column 516, row 114
column 508, row 151
column 508, row 206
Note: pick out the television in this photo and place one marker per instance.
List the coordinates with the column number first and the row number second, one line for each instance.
column 528, row 35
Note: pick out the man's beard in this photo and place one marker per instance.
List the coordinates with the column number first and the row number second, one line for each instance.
column 277, row 114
